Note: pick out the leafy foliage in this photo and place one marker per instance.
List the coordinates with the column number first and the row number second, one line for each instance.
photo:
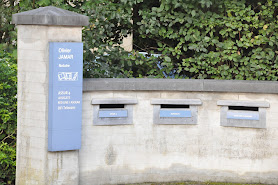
column 8, row 107
column 8, row 92
column 215, row 39
column 110, row 22
column 7, row 163
column 197, row 38
column 7, row 30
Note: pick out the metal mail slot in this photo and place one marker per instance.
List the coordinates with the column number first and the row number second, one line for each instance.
column 175, row 114
column 112, row 113
column 175, row 111
column 116, row 111
column 243, row 115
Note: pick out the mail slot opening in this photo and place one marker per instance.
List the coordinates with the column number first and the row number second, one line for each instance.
column 111, row 106
column 173, row 106
column 243, row 108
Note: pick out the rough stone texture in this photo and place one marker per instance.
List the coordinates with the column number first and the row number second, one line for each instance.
column 50, row 16
column 190, row 85
column 145, row 152
column 34, row 164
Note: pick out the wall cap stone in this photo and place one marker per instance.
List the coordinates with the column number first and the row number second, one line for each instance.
column 189, row 85
column 114, row 101
column 50, row 15
column 176, row 101
column 243, row 103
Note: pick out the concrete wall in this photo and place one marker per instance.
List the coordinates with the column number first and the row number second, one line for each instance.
column 34, row 164
column 35, row 29
column 146, row 152
column 141, row 151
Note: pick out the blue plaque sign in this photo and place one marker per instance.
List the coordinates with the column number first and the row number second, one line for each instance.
column 175, row 114
column 112, row 113
column 243, row 115
column 65, row 96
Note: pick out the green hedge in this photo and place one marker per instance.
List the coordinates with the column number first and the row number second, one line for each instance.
column 215, row 39
column 7, row 163
column 8, row 116
column 197, row 39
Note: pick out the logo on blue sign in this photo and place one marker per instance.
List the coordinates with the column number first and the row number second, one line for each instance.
column 68, row 76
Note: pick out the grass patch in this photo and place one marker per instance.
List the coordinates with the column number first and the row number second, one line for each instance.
column 195, row 183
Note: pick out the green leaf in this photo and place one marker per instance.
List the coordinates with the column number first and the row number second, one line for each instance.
column 192, row 70
column 193, row 13
column 167, row 59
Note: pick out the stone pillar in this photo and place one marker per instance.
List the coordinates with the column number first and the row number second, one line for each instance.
column 36, row 28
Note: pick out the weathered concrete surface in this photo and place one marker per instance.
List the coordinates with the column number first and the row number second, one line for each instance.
column 189, row 85
column 142, row 151
column 34, row 164
column 145, row 152
column 50, row 15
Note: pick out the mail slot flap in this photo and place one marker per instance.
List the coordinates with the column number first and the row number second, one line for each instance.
column 173, row 113
column 243, row 103
column 112, row 113
column 246, row 115
column 114, row 101
column 176, row 101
